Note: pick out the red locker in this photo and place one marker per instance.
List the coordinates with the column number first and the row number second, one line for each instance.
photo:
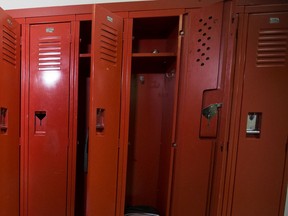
column 263, row 129
column 104, row 119
column 196, row 145
column 175, row 158
column 9, row 115
column 46, row 152
column 151, row 90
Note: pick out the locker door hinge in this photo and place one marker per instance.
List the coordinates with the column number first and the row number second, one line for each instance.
column 174, row 145
column 21, row 41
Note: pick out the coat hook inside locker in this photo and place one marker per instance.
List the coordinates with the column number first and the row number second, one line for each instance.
column 142, row 79
column 171, row 74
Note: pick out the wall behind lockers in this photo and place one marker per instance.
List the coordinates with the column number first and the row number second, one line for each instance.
column 15, row 4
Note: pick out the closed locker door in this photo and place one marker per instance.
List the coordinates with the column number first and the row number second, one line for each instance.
column 48, row 119
column 9, row 115
column 262, row 142
column 104, row 115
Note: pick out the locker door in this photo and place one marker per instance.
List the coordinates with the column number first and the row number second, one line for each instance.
column 194, row 154
column 104, row 112
column 9, row 115
column 48, row 119
column 262, row 143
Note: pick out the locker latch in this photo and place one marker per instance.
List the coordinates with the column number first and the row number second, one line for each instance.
column 210, row 111
column 253, row 128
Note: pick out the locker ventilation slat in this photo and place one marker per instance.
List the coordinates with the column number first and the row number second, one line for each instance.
column 49, row 58
column 272, row 48
column 108, row 44
column 9, row 45
column 204, row 39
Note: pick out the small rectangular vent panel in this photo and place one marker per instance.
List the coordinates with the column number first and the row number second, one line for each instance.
column 272, row 48
column 108, row 44
column 9, row 46
column 49, row 58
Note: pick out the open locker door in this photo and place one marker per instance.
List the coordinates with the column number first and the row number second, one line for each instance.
column 9, row 115
column 104, row 112
column 196, row 134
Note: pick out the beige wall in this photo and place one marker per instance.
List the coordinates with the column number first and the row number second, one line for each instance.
column 16, row 4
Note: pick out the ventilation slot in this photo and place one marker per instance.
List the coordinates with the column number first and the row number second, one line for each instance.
column 204, row 39
column 272, row 48
column 9, row 46
column 49, row 58
column 108, row 44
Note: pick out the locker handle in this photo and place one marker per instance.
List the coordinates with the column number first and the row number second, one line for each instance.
column 100, row 120
column 40, row 122
column 3, row 120
column 40, row 115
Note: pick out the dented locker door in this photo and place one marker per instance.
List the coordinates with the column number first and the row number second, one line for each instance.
column 262, row 143
column 9, row 115
column 48, row 119
column 104, row 112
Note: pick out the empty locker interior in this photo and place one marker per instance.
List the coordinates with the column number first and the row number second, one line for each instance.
column 153, row 79
column 84, row 64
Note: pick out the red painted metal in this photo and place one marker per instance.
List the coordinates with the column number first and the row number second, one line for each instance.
column 259, row 2
column 198, row 162
column 125, row 109
column 105, row 85
column 48, row 139
column 71, row 151
column 9, row 115
column 258, row 183
column 159, row 5
column 194, row 157
column 156, row 13
column 145, row 139
column 235, row 110
column 71, row 179
column 225, row 84
column 264, row 8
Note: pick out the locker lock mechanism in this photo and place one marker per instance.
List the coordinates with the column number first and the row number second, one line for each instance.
column 210, row 111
